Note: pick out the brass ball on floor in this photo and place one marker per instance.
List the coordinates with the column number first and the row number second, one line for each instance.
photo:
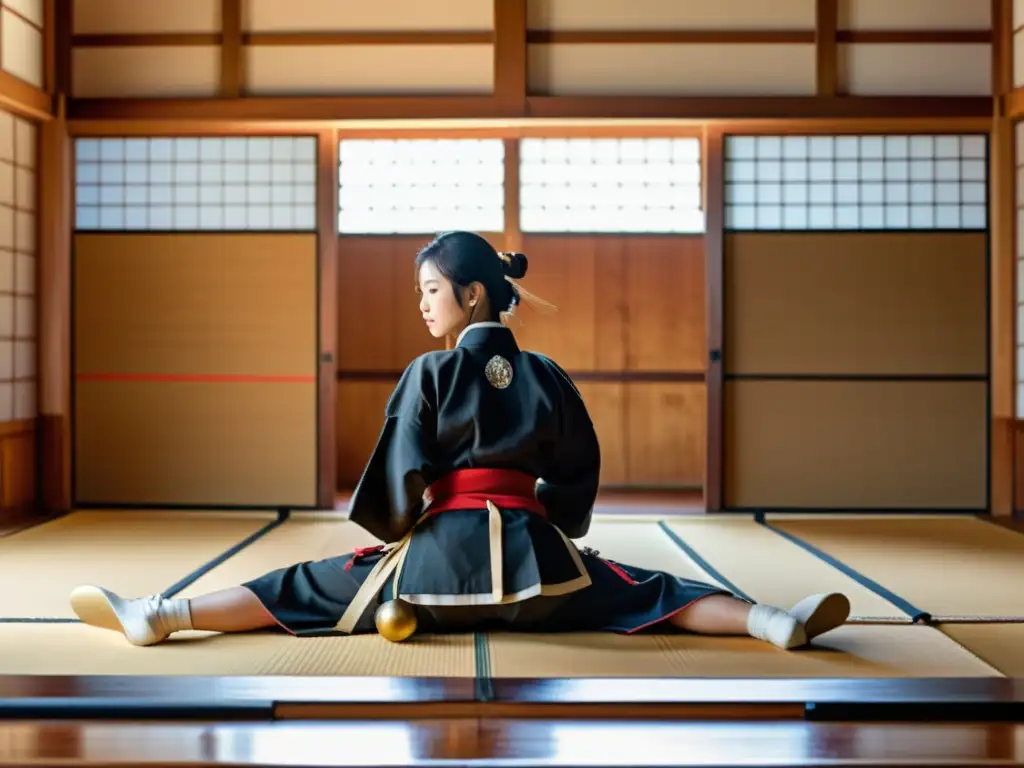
column 395, row 620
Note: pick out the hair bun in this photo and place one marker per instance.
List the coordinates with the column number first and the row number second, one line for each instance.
column 514, row 264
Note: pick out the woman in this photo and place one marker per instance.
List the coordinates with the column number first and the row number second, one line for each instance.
column 486, row 468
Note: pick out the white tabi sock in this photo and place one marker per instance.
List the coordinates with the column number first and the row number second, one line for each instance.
column 143, row 621
column 776, row 627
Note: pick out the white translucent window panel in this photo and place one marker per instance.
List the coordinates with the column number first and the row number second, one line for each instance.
column 856, row 183
column 417, row 186
column 219, row 184
column 18, row 206
column 611, row 185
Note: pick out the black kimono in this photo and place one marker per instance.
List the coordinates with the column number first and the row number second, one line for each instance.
column 486, row 468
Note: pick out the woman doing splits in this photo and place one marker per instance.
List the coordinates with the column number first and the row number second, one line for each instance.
column 485, row 471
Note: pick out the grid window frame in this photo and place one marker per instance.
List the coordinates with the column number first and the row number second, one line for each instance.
column 18, row 268
column 628, row 185
column 394, row 186
column 197, row 184
column 864, row 183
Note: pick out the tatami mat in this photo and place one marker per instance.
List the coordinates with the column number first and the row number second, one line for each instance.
column 850, row 651
column 133, row 552
column 773, row 570
column 949, row 567
column 75, row 649
column 303, row 537
column 1001, row 645
column 642, row 544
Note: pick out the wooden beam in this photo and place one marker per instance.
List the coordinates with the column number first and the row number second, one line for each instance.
column 740, row 108
column 64, row 24
column 513, row 229
column 24, row 99
column 232, row 55
column 540, row 36
column 669, row 36
column 150, row 39
column 49, row 46
column 510, row 81
column 56, row 226
column 335, row 110
column 1002, row 273
column 713, row 152
column 826, row 51
column 914, row 36
column 327, row 239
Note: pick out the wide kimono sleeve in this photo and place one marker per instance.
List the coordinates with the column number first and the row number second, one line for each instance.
column 389, row 496
column 571, row 475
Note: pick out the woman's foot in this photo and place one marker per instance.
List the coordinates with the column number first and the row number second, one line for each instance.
column 143, row 621
column 811, row 617
column 821, row 613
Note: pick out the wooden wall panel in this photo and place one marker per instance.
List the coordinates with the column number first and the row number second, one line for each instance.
column 379, row 323
column 202, row 349
column 143, row 72
column 108, row 17
column 658, row 14
column 238, row 304
column 582, row 278
column 915, row 14
column 21, row 41
column 360, row 420
column 608, row 407
column 879, row 303
column 857, row 368
column 671, row 69
column 196, row 443
column 665, row 304
column 916, row 69
column 667, row 434
column 359, row 16
column 18, row 471
column 882, row 445
column 293, row 70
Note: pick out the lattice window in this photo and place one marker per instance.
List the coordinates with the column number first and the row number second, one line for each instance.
column 418, row 186
column 1019, row 293
column 856, row 182
column 611, row 185
column 17, row 268
column 196, row 183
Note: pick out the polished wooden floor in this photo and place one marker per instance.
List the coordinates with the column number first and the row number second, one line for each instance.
column 266, row 721
column 510, row 742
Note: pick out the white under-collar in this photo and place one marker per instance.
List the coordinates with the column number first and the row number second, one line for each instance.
column 482, row 324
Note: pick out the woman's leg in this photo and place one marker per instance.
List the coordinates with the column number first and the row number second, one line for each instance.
column 727, row 615
column 150, row 620
column 235, row 609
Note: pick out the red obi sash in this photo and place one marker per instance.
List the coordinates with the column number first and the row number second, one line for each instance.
column 473, row 488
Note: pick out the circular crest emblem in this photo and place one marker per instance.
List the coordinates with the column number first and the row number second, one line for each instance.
column 498, row 372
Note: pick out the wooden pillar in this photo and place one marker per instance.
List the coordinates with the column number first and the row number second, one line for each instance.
column 327, row 233
column 55, row 228
column 714, row 255
column 1003, row 249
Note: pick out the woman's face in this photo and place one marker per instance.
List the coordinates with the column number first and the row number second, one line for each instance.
column 438, row 306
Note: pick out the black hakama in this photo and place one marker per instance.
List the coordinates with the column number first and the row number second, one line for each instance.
column 474, row 539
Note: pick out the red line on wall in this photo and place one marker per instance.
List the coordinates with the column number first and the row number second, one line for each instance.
column 204, row 378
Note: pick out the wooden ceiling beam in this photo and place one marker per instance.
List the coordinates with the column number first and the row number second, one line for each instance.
column 232, row 57
column 826, row 50
column 335, row 110
column 510, row 82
